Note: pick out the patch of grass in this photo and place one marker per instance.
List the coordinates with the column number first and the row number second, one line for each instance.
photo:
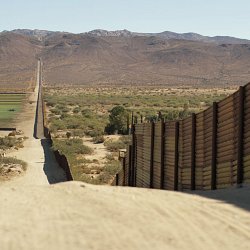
column 10, row 105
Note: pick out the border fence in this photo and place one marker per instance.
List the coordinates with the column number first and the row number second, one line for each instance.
column 208, row 150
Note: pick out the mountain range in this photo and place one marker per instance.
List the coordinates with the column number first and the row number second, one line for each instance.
column 43, row 34
column 122, row 58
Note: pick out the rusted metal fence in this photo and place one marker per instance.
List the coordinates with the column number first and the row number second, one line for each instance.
column 208, row 150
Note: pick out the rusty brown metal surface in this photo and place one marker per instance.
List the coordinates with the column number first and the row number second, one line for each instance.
column 209, row 150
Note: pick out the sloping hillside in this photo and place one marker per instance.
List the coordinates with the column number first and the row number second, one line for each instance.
column 122, row 57
column 17, row 60
column 83, row 59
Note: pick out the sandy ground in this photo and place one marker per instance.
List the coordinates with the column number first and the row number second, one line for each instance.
column 99, row 150
column 73, row 215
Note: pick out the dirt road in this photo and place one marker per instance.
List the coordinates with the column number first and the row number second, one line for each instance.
column 42, row 166
column 72, row 215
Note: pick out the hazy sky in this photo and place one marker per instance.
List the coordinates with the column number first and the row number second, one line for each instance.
column 207, row 17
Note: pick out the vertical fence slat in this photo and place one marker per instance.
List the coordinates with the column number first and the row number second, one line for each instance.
column 133, row 171
column 176, row 156
column 117, row 179
column 124, row 171
column 128, row 125
column 162, row 152
column 214, row 146
column 152, row 154
column 193, row 152
column 240, row 135
column 131, row 160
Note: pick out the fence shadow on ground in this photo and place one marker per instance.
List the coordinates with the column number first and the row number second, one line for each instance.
column 52, row 170
column 235, row 196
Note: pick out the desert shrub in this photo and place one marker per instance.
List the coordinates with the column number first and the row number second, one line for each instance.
column 126, row 139
column 68, row 134
column 9, row 142
column 64, row 116
column 114, row 146
column 76, row 110
column 65, row 109
column 56, row 124
column 12, row 133
column 73, row 122
column 172, row 115
column 98, row 139
column 50, row 103
column 87, row 113
column 184, row 113
column 95, row 132
column 71, row 147
column 110, row 129
column 56, row 111
column 117, row 120
column 110, row 157
column 110, row 169
column 49, row 100
column 11, row 160
column 78, row 132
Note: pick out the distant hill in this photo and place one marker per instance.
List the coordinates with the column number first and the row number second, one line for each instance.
column 17, row 60
column 124, row 57
column 41, row 34
column 171, row 35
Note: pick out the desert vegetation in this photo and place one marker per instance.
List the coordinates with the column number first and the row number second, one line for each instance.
column 10, row 167
column 11, row 142
column 83, row 120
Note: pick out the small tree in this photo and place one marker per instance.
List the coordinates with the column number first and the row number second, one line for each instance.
column 68, row 134
column 117, row 121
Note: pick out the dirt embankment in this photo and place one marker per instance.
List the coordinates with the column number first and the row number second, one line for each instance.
column 75, row 215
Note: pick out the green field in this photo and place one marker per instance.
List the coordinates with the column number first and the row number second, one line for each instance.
column 10, row 106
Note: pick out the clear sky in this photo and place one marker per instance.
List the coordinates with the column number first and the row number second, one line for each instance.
column 207, row 17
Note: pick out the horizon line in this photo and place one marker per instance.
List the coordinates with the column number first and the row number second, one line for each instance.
column 124, row 29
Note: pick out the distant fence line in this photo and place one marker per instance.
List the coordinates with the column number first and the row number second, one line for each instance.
column 60, row 158
column 208, row 150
